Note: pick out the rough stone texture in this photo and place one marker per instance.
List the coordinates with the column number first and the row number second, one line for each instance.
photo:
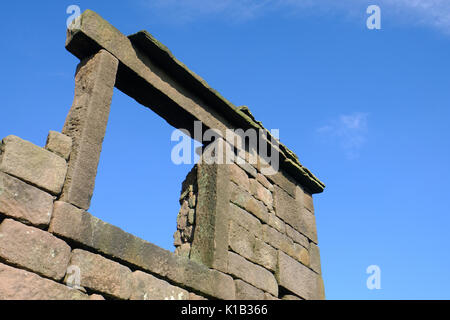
column 293, row 213
column 276, row 223
column 261, row 193
column 24, row 202
column 243, row 199
column 59, row 143
column 298, row 279
column 278, row 240
column 253, row 249
column 147, row 287
column 102, row 275
column 78, row 225
column 86, row 125
column 252, row 273
column 304, row 198
column 246, row 220
column 96, row 297
column 263, row 180
column 32, row 164
column 245, row 291
column 290, row 297
column 17, row 284
column 284, row 181
column 314, row 253
column 193, row 296
column 247, row 167
column 297, row 236
column 239, row 176
column 33, row 249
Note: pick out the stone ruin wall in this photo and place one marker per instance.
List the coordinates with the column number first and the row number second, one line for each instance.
column 239, row 234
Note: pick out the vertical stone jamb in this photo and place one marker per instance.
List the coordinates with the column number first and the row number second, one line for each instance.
column 86, row 125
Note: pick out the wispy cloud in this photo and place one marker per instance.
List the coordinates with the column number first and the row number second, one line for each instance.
column 349, row 131
column 434, row 13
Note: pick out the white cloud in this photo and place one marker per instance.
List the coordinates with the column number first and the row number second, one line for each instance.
column 349, row 131
column 434, row 13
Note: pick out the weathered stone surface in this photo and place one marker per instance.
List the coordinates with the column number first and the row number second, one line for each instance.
column 243, row 199
column 268, row 296
column 290, row 297
column 35, row 165
column 253, row 249
column 276, row 222
column 278, row 240
column 245, row 291
column 184, row 250
column 263, row 180
column 298, row 279
column 304, row 198
column 96, row 297
column 24, row 202
column 261, row 193
column 246, row 220
column 78, row 225
column 102, row 275
column 86, row 125
column 293, row 213
column 59, row 143
column 148, row 287
column 284, row 181
column 252, row 273
column 302, row 254
column 297, row 236
column 239, row 176
column 18, row 284
column 247, row 167
column 314, row 253
column 33, row 249
column 193, row 296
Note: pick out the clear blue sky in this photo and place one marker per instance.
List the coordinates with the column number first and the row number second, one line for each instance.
column 366, row 110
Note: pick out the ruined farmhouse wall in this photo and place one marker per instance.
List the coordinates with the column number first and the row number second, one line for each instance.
column 241, row 232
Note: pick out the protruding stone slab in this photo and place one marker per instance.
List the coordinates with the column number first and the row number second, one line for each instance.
column 298, row 279
column 244, row 291
column 252, row 273
column 18, row 284
column 102, row 275
column 32, row 164
column 33, row 249
column 148, row 287
column 86, row 125
column 80, row 226
column 24, row 202
column 59, row 144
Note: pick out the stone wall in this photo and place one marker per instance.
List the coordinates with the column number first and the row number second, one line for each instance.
column 240, row 234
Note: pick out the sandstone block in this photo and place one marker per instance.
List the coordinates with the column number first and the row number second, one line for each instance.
column 18, row 284
column 252, row 273
column 297, row 236
column 314, row 253
column 32, row 164
column 239, row 176
column 261, row 193
column 278, row 240
column 59, row 144
column 305, row 199
column 293, row 213
column 81, row 227
column 147, row 287
column 102, row 275
column 24, row 202
column 298, row 279
column 33, row 249
column 245, row 291
column 284, row 181
column 247, row 167
column 243, row 199
column 263, row 180
column 193, row 296
column 86, row 125
column 253, row 249
column 276, row 223
column 246, row 220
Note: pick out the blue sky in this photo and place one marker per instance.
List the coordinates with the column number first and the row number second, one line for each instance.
column 366, row 110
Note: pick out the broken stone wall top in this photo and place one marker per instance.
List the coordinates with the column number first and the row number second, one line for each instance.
column 149, row 73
